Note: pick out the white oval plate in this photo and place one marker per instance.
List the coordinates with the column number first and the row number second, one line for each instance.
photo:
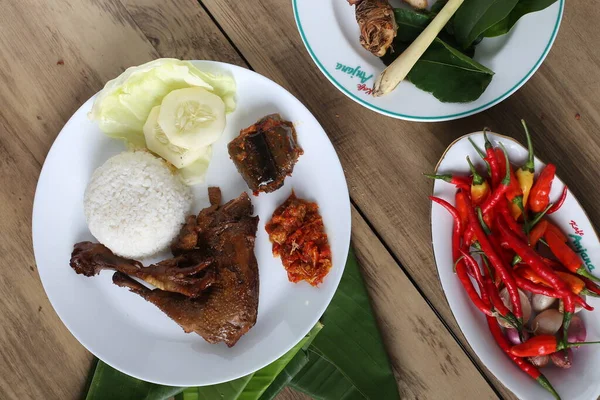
column 134, row 336
column 330, row 33
column 580, row 382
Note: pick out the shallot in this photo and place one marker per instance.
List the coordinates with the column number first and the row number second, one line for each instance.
column 547, row 322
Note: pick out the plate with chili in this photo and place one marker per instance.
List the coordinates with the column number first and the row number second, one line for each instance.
column 572, row 243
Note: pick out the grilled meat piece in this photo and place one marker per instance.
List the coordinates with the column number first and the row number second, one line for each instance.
column 186, row 274
column 265, row 153
column 187, row 239
column 377, row 24
column 229, row 308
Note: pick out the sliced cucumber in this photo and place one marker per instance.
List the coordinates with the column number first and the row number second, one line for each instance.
column 157, row 142
column 195, row 173
column 192, row 117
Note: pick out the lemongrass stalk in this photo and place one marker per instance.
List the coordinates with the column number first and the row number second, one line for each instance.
column 397, row 71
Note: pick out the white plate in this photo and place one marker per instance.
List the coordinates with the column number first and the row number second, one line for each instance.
column 330, row 33
column 580, row 382
column 132, row 335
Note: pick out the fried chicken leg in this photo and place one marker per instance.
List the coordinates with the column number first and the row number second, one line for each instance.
column 186, row 274
column 229, row 308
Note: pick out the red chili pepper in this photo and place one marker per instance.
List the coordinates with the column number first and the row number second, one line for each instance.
column 543, row 345
column 469, row 236
column 556, row 206
column 591, row 286
column 460, row 182
column 510, row 221
column 537, row 232
column 482, row 155
column 492, row 162
column 494, row 298
column 461, row 207
column 539, row 197
column 567, row 256
column 474, row 267
column 524, row 365
column 534, row 288
column 531, row 258
column 499, row 192
column 497, row 263
column 514, row 189
column 457, row 230
column 569, row 310
column 557, row 231
column 461, row 272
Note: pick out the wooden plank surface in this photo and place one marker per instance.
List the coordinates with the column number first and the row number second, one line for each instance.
column 384, row 158
column 55, row 54
column 95, row 42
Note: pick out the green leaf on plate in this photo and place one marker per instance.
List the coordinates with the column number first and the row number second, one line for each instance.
column 250, row 387
column 448, row 74
column 410, row 24
column 474, row 17
column 523, row 7
column 437, row 7
column 108, row 383
column 351, row 343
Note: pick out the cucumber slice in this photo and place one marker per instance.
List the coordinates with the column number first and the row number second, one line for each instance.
column 195, row 173
column 192, row 117
column 158, row 143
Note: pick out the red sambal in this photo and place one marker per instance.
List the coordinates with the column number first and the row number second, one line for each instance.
column 298, row 236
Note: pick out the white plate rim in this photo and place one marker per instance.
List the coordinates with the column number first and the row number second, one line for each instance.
column 440, row 118
column 343, row 257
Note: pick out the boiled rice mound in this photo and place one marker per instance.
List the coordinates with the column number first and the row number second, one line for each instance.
column 135, row 205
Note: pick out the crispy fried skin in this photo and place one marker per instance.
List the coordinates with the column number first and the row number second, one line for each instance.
column 211, row 286
column 186, row 274
column 229, row 308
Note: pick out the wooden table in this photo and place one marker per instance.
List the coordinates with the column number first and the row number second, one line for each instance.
column 55, row 54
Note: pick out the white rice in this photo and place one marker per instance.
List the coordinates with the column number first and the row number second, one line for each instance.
column 134, row 205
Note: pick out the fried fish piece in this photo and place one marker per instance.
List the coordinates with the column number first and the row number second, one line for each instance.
column 265, row 153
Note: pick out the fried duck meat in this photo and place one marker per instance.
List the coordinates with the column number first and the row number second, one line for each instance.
column 265, row 153
column 186, row 274
column 377, row 25
column 228, row 309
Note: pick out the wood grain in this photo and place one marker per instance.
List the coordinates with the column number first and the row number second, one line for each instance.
column 187, row 8
column 383, row 158
column 53, row 56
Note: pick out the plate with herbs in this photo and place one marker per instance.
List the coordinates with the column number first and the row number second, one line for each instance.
column 428, row 60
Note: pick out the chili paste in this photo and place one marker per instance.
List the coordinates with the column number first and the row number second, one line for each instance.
column 298, row 236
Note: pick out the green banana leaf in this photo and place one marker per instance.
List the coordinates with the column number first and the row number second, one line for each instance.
column 336, row 386
column 286, row 376
column 348, row 357
column 227, row 391
column 346, row 360
column 108, row 383
column 252, row 386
